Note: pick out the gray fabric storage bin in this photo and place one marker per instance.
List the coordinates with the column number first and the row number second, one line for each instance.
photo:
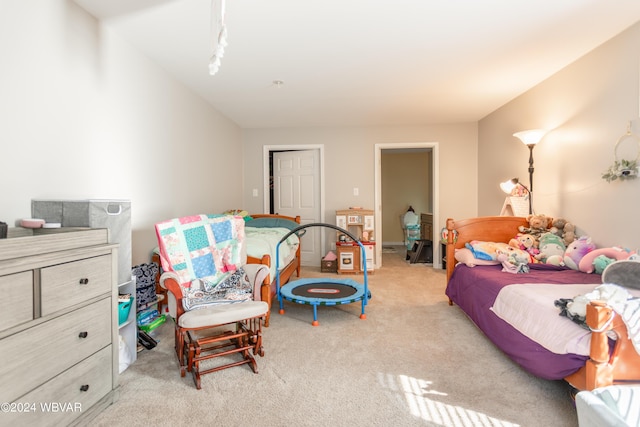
column 112, row 214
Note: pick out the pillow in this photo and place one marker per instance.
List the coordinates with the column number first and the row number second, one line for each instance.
column 272, row 223
column 465, row 256
column 486, row 250
column 238, row 212
column 623, row 273
column 236, row 287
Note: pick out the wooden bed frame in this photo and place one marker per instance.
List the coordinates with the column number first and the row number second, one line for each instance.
column 620, row 364
column 268, row 294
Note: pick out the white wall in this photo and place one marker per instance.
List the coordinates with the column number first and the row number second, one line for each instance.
column 350, row 157
column 85, row 116
column 586, row 107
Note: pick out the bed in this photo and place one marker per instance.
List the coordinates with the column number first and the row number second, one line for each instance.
column 475, row 290
column 262, row 233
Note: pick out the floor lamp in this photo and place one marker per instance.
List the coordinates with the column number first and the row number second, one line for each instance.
column 529, row 138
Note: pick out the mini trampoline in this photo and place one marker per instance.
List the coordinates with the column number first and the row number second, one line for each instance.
column 323, row 291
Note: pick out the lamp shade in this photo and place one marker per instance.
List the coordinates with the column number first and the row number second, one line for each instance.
column 530, row 137
column 509, row 185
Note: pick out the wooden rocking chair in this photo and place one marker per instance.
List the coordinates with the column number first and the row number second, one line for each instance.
column 207, row 329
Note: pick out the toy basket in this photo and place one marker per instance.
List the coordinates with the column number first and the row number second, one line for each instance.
column 123, row 311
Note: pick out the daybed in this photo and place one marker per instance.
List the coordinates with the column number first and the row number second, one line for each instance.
column 263, row 232
column 475, row 289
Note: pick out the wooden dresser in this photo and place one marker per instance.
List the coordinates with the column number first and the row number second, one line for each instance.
column 58, row 326
column 426, row 226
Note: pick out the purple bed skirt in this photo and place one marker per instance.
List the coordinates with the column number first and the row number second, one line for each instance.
column 474, row 289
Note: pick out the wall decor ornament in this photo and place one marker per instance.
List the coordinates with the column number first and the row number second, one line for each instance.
column 623, row 169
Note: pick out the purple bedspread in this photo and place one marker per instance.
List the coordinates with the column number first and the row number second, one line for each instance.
column 474, row 289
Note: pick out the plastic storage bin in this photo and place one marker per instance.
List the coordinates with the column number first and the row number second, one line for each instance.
column 329, row 266
column 123, row 311
column 95, row 213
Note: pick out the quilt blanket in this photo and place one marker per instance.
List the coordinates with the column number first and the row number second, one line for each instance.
column 261, row 241
column 205, row 247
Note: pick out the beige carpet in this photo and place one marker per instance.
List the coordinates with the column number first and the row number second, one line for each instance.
column 415, row 361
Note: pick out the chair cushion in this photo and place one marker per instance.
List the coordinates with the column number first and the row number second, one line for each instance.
column 222, row 313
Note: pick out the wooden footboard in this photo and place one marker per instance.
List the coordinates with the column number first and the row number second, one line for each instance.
column 268, row 293
column 605, row 366
column 285, row 273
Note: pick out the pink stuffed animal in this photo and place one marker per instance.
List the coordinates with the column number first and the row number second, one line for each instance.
column 576, row 251
column 614, row 253
column 525, row 242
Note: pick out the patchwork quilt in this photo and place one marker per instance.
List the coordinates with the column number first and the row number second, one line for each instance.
column 206, row 247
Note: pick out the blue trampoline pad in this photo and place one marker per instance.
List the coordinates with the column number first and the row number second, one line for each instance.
column 323, row 291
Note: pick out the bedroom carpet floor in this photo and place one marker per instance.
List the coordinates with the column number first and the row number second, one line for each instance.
column 415, row 361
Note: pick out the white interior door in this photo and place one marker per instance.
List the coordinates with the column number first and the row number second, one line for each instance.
column 296, row 191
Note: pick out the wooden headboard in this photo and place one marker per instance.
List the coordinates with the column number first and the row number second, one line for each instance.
column 486, row 228
column 291, row 218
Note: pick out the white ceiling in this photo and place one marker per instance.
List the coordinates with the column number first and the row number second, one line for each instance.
column 364, row 62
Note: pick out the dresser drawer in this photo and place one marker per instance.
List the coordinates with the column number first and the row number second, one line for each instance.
column 65, row 285
column 16, row 304
column 35, row 355
column 65, row 397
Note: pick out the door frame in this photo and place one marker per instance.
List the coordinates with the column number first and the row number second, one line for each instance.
column 267, row 149
column 435, row 174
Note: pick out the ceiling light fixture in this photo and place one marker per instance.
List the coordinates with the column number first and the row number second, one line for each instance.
column 218, row 35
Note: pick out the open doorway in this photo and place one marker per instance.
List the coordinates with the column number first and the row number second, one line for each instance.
column 417, row 183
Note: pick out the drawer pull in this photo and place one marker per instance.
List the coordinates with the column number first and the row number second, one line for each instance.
column 83, row 334
column 84, row 281
column 84, row 387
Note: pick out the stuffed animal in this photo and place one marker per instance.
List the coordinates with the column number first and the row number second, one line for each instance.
column 538, row 221
column 557, row 226
column 609, row 293
column 526, row 242
column 634, row 257
column 538, row 224
column 514, row 260
column 576, row 251
column 551, row 249
column 614, row 253
column 485, row 250
column 563, row 228
column 601, row 262
column 569, row 233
